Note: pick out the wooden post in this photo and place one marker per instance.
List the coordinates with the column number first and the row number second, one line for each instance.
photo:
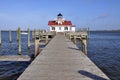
column 88, row 33
column 33, row 35
column 19, row 42
column 10, row 37
column 36, row 44
column 46, row 38
column 28, row 38
column 0, row 38
column 36, row 47
column 17, row 35
column 70, row 36
column 84, row 46
column 75, row 39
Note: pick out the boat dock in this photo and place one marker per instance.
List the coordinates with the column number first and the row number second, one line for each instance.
column 62, row 60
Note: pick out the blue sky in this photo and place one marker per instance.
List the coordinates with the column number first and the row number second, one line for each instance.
column 35, row 14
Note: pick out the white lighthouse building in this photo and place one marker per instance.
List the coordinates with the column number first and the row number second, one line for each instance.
column 61, row 25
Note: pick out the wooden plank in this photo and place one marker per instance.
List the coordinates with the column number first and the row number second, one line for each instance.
column 62, row 60
column 15, row 58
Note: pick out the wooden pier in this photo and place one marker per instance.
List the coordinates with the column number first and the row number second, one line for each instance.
column 62, row 60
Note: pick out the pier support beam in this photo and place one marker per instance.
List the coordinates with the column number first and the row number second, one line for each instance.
column 19, row 42
column 28, row 38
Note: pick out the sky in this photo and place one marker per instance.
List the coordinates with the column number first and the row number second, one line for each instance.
column 35, row 14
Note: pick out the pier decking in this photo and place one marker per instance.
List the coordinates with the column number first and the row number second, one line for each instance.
column 62, row 60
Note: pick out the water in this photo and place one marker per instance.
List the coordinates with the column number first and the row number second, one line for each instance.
column 12, row 49
column 104, row 51
column 10, row 70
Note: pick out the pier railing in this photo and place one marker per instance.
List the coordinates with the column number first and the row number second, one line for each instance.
column 82, row 35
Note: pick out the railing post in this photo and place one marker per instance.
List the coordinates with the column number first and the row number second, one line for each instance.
column 19, row 42
column 28, row 38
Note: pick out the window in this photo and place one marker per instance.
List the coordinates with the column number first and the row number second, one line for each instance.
column 59, row 28
column 70, row 28
column 66, row 28
column 53, row 28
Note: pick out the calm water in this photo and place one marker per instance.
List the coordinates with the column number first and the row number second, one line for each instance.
column 10, row 70
column 103, row 50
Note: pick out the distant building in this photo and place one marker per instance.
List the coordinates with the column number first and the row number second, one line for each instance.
column 61, row 25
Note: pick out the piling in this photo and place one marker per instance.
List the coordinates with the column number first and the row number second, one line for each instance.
column 36, row 47
column 10, row 36
column 75, row 40
column 36, row 44
column 70, row 36
column 0, row 38
column 28, row 38
column 84, row 46
column 19, row 42
column 88, row 32
column 17, row 35
column 46, row 39
column 33, row 35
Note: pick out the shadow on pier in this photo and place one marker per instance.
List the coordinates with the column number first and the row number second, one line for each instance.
column 90, row 75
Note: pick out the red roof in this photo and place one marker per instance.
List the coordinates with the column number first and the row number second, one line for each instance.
column 65, row 23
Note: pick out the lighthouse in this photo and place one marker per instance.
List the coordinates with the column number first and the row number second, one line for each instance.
column 61, row 25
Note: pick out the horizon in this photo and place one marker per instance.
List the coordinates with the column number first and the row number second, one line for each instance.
column 35, row 14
